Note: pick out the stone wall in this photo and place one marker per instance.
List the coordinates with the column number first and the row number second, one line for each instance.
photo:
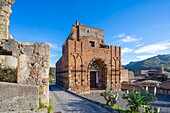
column 33, row 64
column 16, row 97
column 5, row 11
column 32, row 61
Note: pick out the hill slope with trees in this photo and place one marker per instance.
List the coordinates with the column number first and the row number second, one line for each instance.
column 156, row 62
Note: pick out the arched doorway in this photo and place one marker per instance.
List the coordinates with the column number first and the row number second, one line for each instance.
column 98, row 72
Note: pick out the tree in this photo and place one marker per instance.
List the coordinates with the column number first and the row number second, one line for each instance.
column 52, row 74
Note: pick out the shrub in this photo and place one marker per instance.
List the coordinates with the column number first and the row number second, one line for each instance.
column 8, row 74
column 109, row 97
column 138, row 101
column 52, row 74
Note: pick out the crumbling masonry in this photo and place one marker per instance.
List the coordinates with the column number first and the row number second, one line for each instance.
column 87, row 63
column 32, row 61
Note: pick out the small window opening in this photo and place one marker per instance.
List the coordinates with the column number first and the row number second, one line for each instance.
column 92, row 43
column 88, row 31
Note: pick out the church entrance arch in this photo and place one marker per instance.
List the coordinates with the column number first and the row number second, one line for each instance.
column 97, row 73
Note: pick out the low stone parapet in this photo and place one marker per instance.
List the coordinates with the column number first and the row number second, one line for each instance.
column 17, row 97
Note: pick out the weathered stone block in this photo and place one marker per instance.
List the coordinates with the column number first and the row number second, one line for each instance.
column 15, row 97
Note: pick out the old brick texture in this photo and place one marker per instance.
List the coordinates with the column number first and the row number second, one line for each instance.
column 87, row 63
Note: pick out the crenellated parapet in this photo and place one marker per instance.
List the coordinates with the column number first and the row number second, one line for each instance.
column 5, row 11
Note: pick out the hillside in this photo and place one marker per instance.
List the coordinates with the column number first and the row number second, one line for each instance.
column 52, row 75
column 156, row 62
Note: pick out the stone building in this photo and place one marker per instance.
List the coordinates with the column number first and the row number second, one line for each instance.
column 87, row 63
column 32, row 62
column 124, row 75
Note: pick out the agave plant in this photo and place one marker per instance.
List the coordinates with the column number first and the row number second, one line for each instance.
column 110, row 97
column 138, row 101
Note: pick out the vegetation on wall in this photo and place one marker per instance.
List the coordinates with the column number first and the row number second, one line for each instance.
column 42, row 105
column 52, row 75
column 8, row 74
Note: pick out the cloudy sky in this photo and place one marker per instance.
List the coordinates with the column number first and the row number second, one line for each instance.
column 140, row 27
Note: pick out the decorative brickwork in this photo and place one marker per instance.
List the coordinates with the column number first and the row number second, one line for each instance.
column 87, row 63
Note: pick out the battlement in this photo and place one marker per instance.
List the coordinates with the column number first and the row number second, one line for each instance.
column 84, row 33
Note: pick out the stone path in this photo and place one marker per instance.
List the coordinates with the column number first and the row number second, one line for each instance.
column 69, row 103
column 163, row 101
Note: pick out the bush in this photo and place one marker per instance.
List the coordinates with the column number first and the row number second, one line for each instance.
column 138, row 101
column 52, row 74
column 8, row 74
column 110, row 97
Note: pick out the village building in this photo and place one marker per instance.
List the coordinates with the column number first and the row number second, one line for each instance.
column 124, row 75
column 87, row 63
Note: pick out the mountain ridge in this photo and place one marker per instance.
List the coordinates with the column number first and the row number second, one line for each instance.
column 156, row 62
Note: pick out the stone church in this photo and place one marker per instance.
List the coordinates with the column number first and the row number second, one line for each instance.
column 87, row 63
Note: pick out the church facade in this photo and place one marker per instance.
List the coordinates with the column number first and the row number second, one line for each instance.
column 87, row 63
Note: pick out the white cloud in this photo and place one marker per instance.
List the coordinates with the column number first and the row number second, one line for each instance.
column 127, row 38
column 126, row 50
column 52, row 64
column 143, row 57
column 52, row 55
column 130, row 39
column 120, row 35
column 139, row 44
column 153, row 48
column 54, row 46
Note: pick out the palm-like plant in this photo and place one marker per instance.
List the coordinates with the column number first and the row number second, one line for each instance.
column 138, row 101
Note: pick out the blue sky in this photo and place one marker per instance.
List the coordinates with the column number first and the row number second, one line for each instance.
column 140, row 27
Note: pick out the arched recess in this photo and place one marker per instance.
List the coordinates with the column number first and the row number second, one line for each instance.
column 76, row 68
column 117, row 65
column 78, row 75
column 97, row 74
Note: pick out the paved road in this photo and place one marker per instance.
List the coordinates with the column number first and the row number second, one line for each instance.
column 69, row 103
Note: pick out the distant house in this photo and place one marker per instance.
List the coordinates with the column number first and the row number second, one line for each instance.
column 166, row 84
column 142, row 73
column 124, row 75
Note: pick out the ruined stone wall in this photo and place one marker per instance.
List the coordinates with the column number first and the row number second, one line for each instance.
column 80, row 56
column 33, row 64
column 32, row 61
column 5, row 11
column 17, row 97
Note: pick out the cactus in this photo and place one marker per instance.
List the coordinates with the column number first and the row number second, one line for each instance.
column 110, row 97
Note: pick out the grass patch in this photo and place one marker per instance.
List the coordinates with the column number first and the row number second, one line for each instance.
column 42, row 105
column 8, row 74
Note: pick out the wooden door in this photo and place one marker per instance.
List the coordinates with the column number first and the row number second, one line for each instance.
column 92, row 79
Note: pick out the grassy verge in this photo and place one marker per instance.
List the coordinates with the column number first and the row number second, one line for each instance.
column 42, row 105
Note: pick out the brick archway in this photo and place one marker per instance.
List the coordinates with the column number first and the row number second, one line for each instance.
column 97, row 74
